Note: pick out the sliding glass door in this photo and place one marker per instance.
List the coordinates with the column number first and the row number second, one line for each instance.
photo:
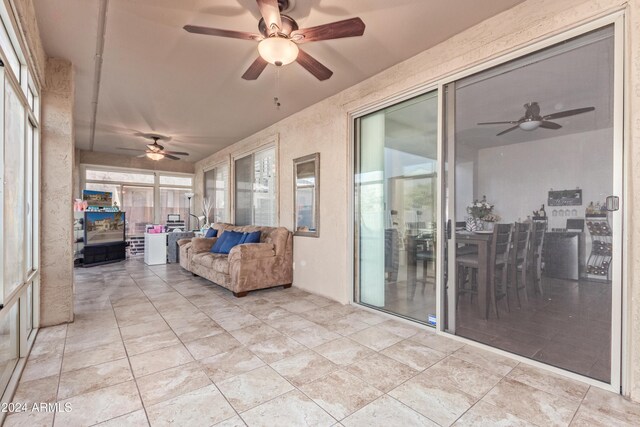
column 395, row 208
column 535, row 172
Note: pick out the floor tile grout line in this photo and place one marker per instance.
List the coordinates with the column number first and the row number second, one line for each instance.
column 485, row 394
column 194, row 359
column 135, row 381
column 580, row 405
column 66, row 331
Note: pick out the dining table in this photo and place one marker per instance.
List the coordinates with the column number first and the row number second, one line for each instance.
column 482, row 240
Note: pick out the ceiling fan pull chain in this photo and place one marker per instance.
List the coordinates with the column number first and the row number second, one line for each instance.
column 276, row 99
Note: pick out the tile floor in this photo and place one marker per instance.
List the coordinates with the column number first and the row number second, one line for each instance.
column 158, row 346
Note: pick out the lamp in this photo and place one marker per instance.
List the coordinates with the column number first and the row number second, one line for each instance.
column 189, row 196
column 278, row 50
column 155, row 156
column 530, row 124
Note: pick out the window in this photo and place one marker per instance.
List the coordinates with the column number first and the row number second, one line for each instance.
column 14, row 189
column 174, row 201
column 255, row 178
column 147, row 197
column 19, row 196
column 216, row 188
column 118, row 176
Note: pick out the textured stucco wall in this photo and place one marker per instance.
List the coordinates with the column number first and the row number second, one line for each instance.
column 56, row 270
column 322, row 265
column 122, row 161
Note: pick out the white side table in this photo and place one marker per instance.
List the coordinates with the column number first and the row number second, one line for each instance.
column 155, row 248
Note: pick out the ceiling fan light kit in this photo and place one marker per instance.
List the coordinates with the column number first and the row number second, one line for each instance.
column 532, row 119
column 155, row 156
column 530, row 125
column 278, row 50
column 279, row 37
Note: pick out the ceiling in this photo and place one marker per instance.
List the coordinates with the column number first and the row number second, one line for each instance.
column 158, row 78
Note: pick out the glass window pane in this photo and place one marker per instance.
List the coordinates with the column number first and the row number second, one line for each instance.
column 29, row 298
column 10, row 53
column 185, row 181
column 8, row 345
column 216, row 184
column 221, row 194
column 244, row 191
column 13, row 214
column 30, row 199
column 117, row 176
column 174, row 201
column 137, row 202
column 114, row 189
column 264, row 188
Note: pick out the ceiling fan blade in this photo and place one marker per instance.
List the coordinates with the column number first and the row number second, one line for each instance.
column 499, row 123
column 142, row 155
column 508, row 130
column 222, row 33
column 568, row 113
column 313, row 66
column 353, row 27
column 169, row 156
column 271, row 13
column 131, row 149
column 255, row 69
column 549, row 125
column 177, row 153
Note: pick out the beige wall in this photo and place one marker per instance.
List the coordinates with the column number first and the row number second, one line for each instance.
column 123, row 161
column 57, row 166
column 323, row 265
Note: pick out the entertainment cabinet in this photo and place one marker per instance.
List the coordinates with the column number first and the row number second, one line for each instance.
column 104, row 253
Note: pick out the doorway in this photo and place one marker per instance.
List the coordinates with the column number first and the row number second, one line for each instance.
column 534, row 177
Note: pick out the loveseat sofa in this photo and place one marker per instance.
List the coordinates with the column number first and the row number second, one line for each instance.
column 247, row 267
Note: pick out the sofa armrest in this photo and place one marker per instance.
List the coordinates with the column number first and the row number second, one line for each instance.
column 202, row 244
column 252, row 251
column 182, row 242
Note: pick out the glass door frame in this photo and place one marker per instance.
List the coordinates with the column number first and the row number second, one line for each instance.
column 352, row 156
column 445, row 202
column 619, row 220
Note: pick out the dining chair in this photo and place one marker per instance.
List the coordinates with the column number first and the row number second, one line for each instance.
column 535, row 253
column 467, row 266
column 518, row 261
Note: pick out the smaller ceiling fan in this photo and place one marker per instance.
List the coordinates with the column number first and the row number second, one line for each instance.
column 156, row 151
column 533, row 120
column 280, row 36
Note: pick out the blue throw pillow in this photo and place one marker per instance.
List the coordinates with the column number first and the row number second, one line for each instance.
column 232, row 240
column 212, row 232
column 251, row 237
column 217, row 246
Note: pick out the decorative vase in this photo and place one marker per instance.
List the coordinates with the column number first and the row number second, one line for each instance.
column 488, row 225
column 473, row 224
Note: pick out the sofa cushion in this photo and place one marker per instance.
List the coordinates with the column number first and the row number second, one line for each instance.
column 217, row 247
column 212, row 232
column 216, row 262
column 233, row 238
column 253, row 237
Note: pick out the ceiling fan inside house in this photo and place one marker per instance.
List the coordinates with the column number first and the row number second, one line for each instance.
column 533, row 120
column 156, row 151
column 279, row 37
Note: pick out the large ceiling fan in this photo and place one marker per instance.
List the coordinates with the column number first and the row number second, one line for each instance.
column 280, row 36
column 533, row 120
column 156, row 151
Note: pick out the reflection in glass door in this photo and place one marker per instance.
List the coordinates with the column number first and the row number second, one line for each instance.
column 533, row 144
column 395, row 208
